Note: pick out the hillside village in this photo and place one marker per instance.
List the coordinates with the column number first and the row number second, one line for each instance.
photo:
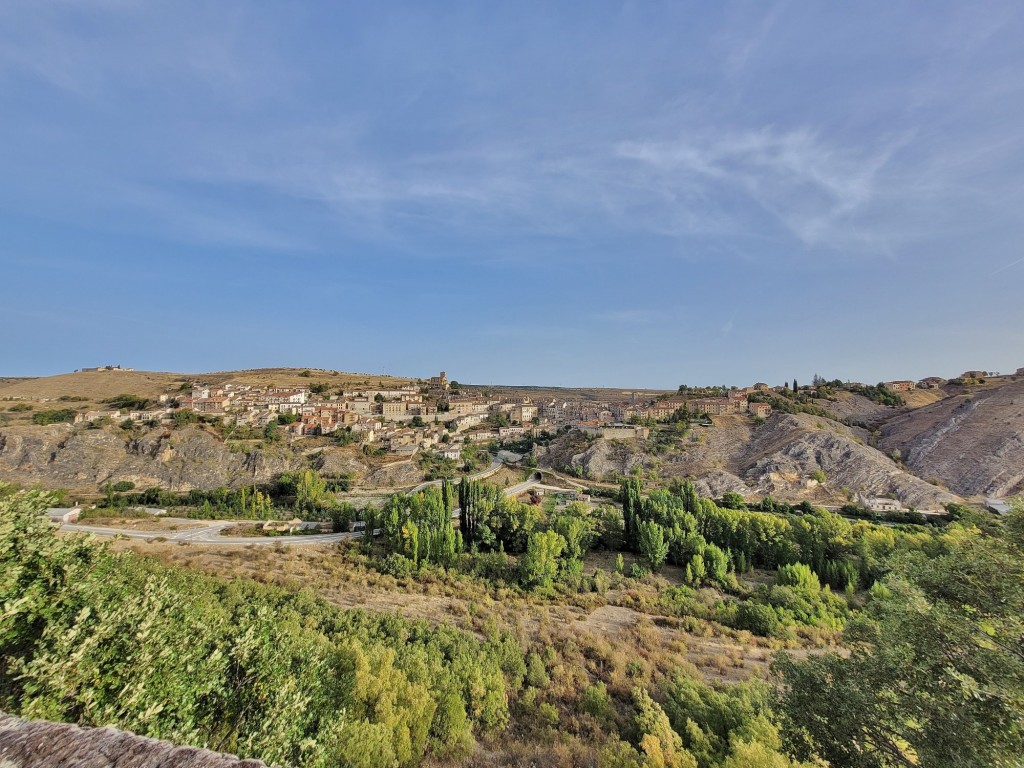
column 404, row 417
column 433, row 413
column 821, row 441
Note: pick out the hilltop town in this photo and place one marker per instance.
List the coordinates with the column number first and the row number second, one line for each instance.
column 406, row 417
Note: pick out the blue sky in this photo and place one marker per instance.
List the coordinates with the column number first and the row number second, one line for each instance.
column 603, row 194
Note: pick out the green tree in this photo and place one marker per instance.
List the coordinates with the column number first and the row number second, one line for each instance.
column 798, row 575
column 539, row 566
column 651, row 543
column 56, row 416
column 310, row 490
column 659, row 743
column 716, row 562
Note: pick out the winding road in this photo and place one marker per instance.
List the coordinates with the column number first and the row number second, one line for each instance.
column 211, row 531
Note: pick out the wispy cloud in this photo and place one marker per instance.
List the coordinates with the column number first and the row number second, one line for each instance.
column 814, row 188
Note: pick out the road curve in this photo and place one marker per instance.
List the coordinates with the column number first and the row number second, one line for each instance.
column 495, row 465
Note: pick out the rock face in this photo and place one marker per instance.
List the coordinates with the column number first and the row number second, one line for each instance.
column 61, row 456
column 397, row 475
column 785, row 460
column 332, row 462
column 609, row 457
column 39, row 744
column 971, row 441
column 780, row 457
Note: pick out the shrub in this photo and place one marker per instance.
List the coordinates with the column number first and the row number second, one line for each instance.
column 758, row 618
column 798, row 575
column 536, row 672
column 57, row 416
column 397, row 565
column 596, row 702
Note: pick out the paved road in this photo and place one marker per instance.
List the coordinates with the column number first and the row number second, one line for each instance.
column 495, row 465
column 209, row 532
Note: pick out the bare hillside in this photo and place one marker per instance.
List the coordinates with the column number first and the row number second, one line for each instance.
column 95, row 386
column 83, row 460
column 972, row 441
column 786, row 456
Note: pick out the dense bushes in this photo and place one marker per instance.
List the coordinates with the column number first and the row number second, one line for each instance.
column 96, row 638
column 55, row 416
column 935, row 674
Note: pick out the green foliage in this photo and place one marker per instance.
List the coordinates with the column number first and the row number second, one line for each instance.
column 310, row 490
column 798, row 575
column 758, row 618
column 399, row 566
column 436, row 467
column 879, row 394
column 185, row 416
column 577, row 527
column 729, row 727
column 651, row 543
column 128, row 402
column 420, row 527
column 935, row 674
column 596, row 702
column 489, row 519
column 733, row 500
column 658, row 742
column 97, row 638
column 53, row 416
column 539, row 566
column 536, row 672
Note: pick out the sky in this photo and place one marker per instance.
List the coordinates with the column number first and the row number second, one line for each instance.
column 623, row 194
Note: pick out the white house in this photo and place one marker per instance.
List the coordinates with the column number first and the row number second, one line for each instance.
column 63, row 514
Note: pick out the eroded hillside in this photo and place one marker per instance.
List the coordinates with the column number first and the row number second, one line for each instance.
column 972, row 441
column 790, row 455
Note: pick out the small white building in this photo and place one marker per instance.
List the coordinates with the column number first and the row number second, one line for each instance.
column 879, row 504
column 452, row 452
column 63, row 514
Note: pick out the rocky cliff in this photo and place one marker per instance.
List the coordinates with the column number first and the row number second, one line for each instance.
column 787, row 456
column 61, row 456
column 972, row 441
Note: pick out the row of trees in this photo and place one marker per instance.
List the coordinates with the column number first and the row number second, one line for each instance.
column 677, row 525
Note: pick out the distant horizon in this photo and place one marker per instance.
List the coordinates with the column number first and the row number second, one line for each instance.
column 802, row 380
